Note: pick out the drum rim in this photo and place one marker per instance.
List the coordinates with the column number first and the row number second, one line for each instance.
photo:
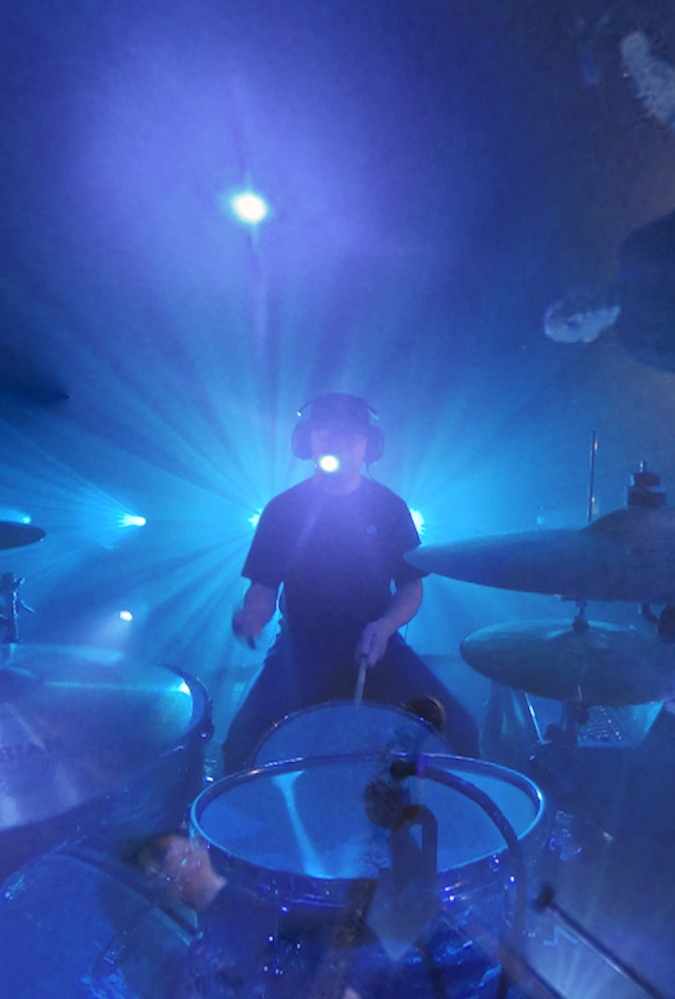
column 325, row 705
column 451, row 881
column 202, row 711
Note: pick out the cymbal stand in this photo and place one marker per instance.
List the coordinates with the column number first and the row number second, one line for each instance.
column 9, row 591
column 580, row 623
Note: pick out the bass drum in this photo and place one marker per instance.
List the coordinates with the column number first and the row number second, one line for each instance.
column 300, row 833
column 94, row 745
column 76, row 925
column 340, row 728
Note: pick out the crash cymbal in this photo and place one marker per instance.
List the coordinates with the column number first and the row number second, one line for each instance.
column 75, row 722
column 626, row 555
column 14, row 534
column 606, row 664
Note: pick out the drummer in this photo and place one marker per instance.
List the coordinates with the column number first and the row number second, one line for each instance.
column 334, row 545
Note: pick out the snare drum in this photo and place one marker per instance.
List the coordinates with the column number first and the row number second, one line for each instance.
column 298, row 834
column 340, row 728
column 299, row 831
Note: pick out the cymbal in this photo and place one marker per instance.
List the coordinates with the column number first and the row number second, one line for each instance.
column 608, row 664
column 14, row 534
column 76, row 722
column 626, row 555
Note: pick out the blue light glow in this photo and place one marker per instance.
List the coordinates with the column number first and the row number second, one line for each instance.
column 129, row 520
column 249, row 207
column 328, row 463
column 14, row 515
column 418, row 521
column 126, row 615
column 253, row 520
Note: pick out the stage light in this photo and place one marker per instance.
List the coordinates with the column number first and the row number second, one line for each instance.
column 328, row 463
column 249, row 208
column 14, row 515
column 126, row 615
column 129, row 520
column 253, row 520
column 418, row 521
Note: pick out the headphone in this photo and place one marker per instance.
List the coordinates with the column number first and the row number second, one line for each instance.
column 340, row 403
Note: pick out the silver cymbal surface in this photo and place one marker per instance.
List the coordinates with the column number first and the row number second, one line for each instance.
column 606, row 664
column 75, row 722
column 627, row 555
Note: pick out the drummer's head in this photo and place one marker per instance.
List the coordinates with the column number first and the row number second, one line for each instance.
column 338, row 434
column 180, row 865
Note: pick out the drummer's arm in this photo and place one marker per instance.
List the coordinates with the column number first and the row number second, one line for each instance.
column 260, row 603
column 404, row 604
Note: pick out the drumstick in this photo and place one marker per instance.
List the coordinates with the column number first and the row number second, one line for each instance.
column 361, row 681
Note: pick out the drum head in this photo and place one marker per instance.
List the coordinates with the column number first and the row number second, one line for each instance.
column 339, row 728
column 300, row 828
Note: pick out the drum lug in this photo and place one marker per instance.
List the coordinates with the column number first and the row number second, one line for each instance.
column 207, row 730
column 562, row 842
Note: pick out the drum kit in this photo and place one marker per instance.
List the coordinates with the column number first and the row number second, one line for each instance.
column 344, row 799
column 91, row 743
column 625, row 556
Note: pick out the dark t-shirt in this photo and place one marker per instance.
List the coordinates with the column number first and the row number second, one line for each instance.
column 336, row 557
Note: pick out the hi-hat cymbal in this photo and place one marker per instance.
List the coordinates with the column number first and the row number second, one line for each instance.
column 626, row 555
column 606, row 664
column 14, row 534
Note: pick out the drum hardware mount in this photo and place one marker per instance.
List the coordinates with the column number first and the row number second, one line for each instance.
column 419, row 767
column 9, row 591
column 580, row 624
column 406, row 896
column 516, row 932
column 665, row 621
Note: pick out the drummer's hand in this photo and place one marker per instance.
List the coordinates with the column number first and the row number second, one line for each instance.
column 373, row 642
column 246, row 628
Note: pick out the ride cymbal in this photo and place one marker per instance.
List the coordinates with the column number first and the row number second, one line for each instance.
column 605, row 664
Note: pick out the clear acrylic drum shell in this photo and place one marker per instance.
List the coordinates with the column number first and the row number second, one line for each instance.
column 309, row 848
column 336, row 728
column 75, row 925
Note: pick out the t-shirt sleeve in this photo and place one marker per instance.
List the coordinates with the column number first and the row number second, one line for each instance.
column 265, row 562
column 404, row 538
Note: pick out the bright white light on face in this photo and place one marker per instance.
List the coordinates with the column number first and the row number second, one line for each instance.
column 126, row 616
column 418, row 520
column 253, row 521
column 129, row 520
column 328, row 463
column 249, row 207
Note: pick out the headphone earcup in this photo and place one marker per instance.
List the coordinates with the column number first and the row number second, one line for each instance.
column 301, row 445
column 375, row 445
